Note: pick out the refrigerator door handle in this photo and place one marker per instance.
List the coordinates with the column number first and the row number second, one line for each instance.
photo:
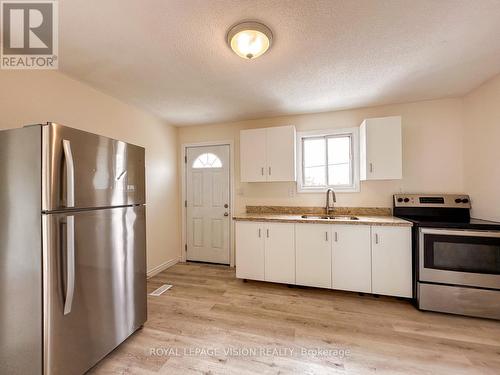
column 70, row 174
column 70, row 267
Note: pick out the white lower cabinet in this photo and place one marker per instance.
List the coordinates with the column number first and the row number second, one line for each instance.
column 358, row 258
column 265, row 251
column 250, row 250
column 280, row 253
column 351, row 258
column 313, row 255
column 391, row 261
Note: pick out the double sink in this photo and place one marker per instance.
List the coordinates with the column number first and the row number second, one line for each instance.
column 328, row 217
column 328, row 209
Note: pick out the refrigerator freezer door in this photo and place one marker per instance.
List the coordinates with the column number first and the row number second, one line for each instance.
column 95, row 288
column 84, row 170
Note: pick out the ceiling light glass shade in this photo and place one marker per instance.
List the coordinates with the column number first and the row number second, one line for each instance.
column 249, row 39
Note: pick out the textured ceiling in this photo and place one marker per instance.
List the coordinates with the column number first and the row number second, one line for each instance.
column 170, row 57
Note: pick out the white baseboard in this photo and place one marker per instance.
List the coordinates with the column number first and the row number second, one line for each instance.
column 162, row 267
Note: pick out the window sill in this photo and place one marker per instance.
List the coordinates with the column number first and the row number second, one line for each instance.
column 350, row 189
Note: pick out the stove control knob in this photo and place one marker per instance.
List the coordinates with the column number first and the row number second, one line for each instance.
column 406, row 200
column 400, row 200
column 465, row 200
column 458, row 200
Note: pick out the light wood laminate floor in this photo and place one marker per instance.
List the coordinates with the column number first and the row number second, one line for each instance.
column 274, row 329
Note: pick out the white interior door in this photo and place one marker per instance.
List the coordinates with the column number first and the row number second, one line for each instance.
column 208, row 211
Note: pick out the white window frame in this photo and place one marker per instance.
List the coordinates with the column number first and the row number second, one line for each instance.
column 354, row 134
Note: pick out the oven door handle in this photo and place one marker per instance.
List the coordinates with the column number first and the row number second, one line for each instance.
column 465, row 233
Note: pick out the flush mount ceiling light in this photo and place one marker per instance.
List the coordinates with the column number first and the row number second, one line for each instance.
column 249, row 39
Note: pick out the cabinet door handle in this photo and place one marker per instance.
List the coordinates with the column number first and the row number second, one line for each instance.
column 371, row 167
column 326, row 236
column 376, row 238
column 336, row 237
column 262, row 171
column 269, row 171
column 267, row 233
column 260, row 233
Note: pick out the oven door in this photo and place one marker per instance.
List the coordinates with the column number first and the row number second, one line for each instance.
column 460, row 257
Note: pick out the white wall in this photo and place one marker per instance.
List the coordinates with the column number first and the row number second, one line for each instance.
column 30, row 97
column 432, row 153
column 482, row 149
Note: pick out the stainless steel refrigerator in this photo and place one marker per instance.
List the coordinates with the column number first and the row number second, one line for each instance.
column 72, row 248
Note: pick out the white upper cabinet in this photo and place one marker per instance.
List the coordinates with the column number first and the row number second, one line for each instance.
column 351, row 258
column 391, row 261
column 253, row 159
column 381, row 150
column 267, row 154
column 281, row 154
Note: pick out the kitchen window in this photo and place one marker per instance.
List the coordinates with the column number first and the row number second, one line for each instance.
column 328, row 159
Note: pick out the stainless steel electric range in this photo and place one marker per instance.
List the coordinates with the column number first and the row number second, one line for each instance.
column 456, row 258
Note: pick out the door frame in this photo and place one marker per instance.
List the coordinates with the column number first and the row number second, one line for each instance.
column 183, row 155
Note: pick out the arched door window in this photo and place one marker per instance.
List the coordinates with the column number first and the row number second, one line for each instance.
column 207, row 160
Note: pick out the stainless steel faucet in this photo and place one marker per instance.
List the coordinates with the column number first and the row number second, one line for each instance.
column 329, row 208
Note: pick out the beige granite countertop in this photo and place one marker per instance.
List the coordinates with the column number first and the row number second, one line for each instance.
column 290, row 218
column 301, row 210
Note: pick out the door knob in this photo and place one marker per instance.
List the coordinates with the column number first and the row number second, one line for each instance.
column 226, row 214
column 226, row 205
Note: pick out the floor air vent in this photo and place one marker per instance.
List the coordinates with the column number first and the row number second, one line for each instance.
column 162, row 289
